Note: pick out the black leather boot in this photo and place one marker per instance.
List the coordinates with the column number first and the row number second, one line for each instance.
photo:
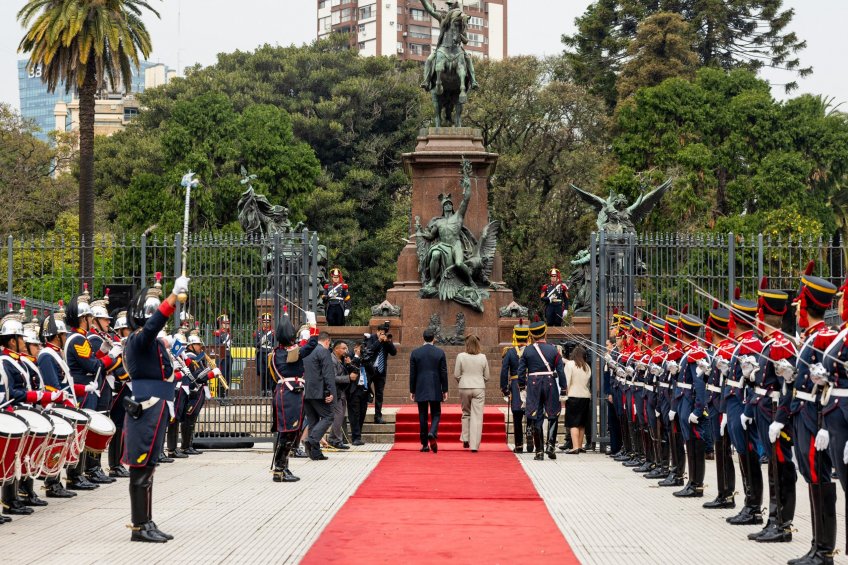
column 150, row 508
column 27, row 495
column 187, row 431
column 826, row 526
column 721, row 501
column 54, row 489
column 171, row 442
column 674, row 479
column 143, row 528
column 116, row 470
column 517, row 433
column 11, row 505
column 94, row 471
column 538, row 444
column 691, row 488
column 282, row 474
column 553, row 424
column 76, row 476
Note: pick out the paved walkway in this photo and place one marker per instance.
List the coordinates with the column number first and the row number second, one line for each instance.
column 221, row 507
column 610, row 515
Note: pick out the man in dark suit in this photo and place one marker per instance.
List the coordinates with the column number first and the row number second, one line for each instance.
column 428, row 386
column 319, row 392
column 378, row 348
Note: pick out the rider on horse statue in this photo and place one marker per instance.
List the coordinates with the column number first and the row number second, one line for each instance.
column 453, row 16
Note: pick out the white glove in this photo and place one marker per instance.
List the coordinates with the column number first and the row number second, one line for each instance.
column 629, row 370
column 608, row 358
column 723, row 425
column 347, row 312
column 217, row 372
column 641, row 366
column 311, row 319
column 671, row 414
column 620, row 371
column 774, row 431
column 672, row 367
column 745, row 421
column 845, row 455
column 748, row 364
column 657, row 413
column 116, row 351
column 785, row 370
column 703, row 366
column 693, row 419
column 818, row 374
column 105, row 346
column 57, row 395
column 181, row 285
column 565, row 313
column 90, row 387
column 822, row 440
column 722, row 365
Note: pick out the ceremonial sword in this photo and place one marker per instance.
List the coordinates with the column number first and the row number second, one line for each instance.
column 188, row 182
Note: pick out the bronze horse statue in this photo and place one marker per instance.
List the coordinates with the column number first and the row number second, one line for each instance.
column 450, row 79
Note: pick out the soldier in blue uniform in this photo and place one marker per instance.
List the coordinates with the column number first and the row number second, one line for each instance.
column 223, row 345
column 513, row 387
column 621, row 327
column 542, row 367
column 740, row 428
column 811, row 437
column 691, row 396
column 287, row 370
column 769, row 409
column 554, row 296
column 117, row 412
column 336, row 298
column 654, row 397
column 87, row 369
column 149, row 364
column 263, row 342
column 201, row 374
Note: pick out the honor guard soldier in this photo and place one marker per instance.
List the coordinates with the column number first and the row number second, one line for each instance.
column 737, row 425
column 149, row 363
column 336, row 299
column 514, row 388
column 811, row 438
column 691, row 396
column 668, row 378
column 264, row 344
column 87, row 369
column 201, row 374
column 769, row 409
column 223, row 346
column 287, row 370
column 611, row 390
column 653, row 393
column 622, row 327
column 176, row 347
column 634, row 395
column 835, row 407
column 542, row 367
column 722, row 346
column 554, row 296
column 123, row 388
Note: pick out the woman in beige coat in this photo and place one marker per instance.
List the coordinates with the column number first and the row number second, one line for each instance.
column 472, row 372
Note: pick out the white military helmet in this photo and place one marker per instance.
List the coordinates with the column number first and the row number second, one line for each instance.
column 99, row 310
column 31, row 333
column 194, row 338
column 120, row 321
column 12, row 324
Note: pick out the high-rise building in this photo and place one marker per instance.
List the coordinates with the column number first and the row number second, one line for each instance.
column 39, row 105
column 405, row 29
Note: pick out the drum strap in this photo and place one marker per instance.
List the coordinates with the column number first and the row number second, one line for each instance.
column 32, row 366
column 64, row 368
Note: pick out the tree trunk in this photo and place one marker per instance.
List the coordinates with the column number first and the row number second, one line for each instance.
column 87, row 95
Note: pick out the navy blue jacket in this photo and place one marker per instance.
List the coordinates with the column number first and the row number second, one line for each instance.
column 51, row 372
column 532, row 363
column 428, row 373
column 147, row 360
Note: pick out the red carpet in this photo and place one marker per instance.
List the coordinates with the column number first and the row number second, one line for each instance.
column 454, row 506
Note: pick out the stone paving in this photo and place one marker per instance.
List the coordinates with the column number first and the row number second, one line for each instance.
column 611, row 515
column 221, row 507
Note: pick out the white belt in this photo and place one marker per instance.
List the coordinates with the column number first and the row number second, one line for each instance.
column 649, row 388
column 664, row 385
column 541, row 374
column 638, row 384
column 713, row 388
column 774, row 395
column 839, row 392
column 734, row 384
column 287, row 381
column 806, row 396
column 685, row 386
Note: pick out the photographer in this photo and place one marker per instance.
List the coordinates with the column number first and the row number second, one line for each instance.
column 378, row 347
column 346, row 375
column 358, row 397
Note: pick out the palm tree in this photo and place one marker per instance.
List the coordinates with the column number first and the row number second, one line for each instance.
column 82, row 44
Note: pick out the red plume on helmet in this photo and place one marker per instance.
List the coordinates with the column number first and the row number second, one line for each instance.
column 803, row 319
column 811, row 266
column 737, row 293
column 761, row 306
column 685, row 309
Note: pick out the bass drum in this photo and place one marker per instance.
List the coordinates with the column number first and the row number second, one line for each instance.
column 13, row 432
column 58, row 447
column 33, row 451
column 101, row 428
column 79, row 422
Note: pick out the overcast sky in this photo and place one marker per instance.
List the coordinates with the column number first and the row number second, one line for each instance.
column 194, row 31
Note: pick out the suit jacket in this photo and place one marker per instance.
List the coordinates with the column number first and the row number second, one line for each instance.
column 320, row 374
column 428, row 373
column 373, row 347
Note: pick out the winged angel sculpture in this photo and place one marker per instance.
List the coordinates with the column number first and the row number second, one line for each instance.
column 614, row 215
column 452, row 263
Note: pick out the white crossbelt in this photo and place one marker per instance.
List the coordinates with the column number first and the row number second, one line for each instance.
column 685, row 386
column 649, row 388
column 805, row 396
column 734, row 384
column 714, row 388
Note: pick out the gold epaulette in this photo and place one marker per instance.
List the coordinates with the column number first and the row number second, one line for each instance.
column 503, row 353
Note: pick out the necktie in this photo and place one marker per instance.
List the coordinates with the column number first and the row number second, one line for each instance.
column 381, row 361
column 363, row 378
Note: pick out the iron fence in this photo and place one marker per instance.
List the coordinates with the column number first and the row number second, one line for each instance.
column 231, row 274
column 647, row 273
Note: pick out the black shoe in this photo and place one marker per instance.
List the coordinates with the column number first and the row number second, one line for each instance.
column 379, row 420
column 56, row 490
column 164, row 458
column 168, row 537
column 31, row 500
column 119, row 472
column 176, row 454
column 804, row 557
column 657, row 473
column 776, row 535
column 434, row 443
column 465, row 445
column 299, row 453
column 747, row 517
column 146, row 532
column 671, row 481
column 689, row 491
column 315, row 453
column 358, row 442
column 572, row 451
column 518, row 449
column 622, row 457
column 769, row 527
column 540, row 456
column 564, row 447
column 709, row 455
column 645, row 467
column 721, row 502
column 81, row 483
column 340, row 445
column 551, row 453
column 192, row 451
column 97, row 477
column 425, row 449
column 17, row 509
column 635, row 462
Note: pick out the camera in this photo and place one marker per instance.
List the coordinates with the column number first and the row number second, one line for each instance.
column 384, row 326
